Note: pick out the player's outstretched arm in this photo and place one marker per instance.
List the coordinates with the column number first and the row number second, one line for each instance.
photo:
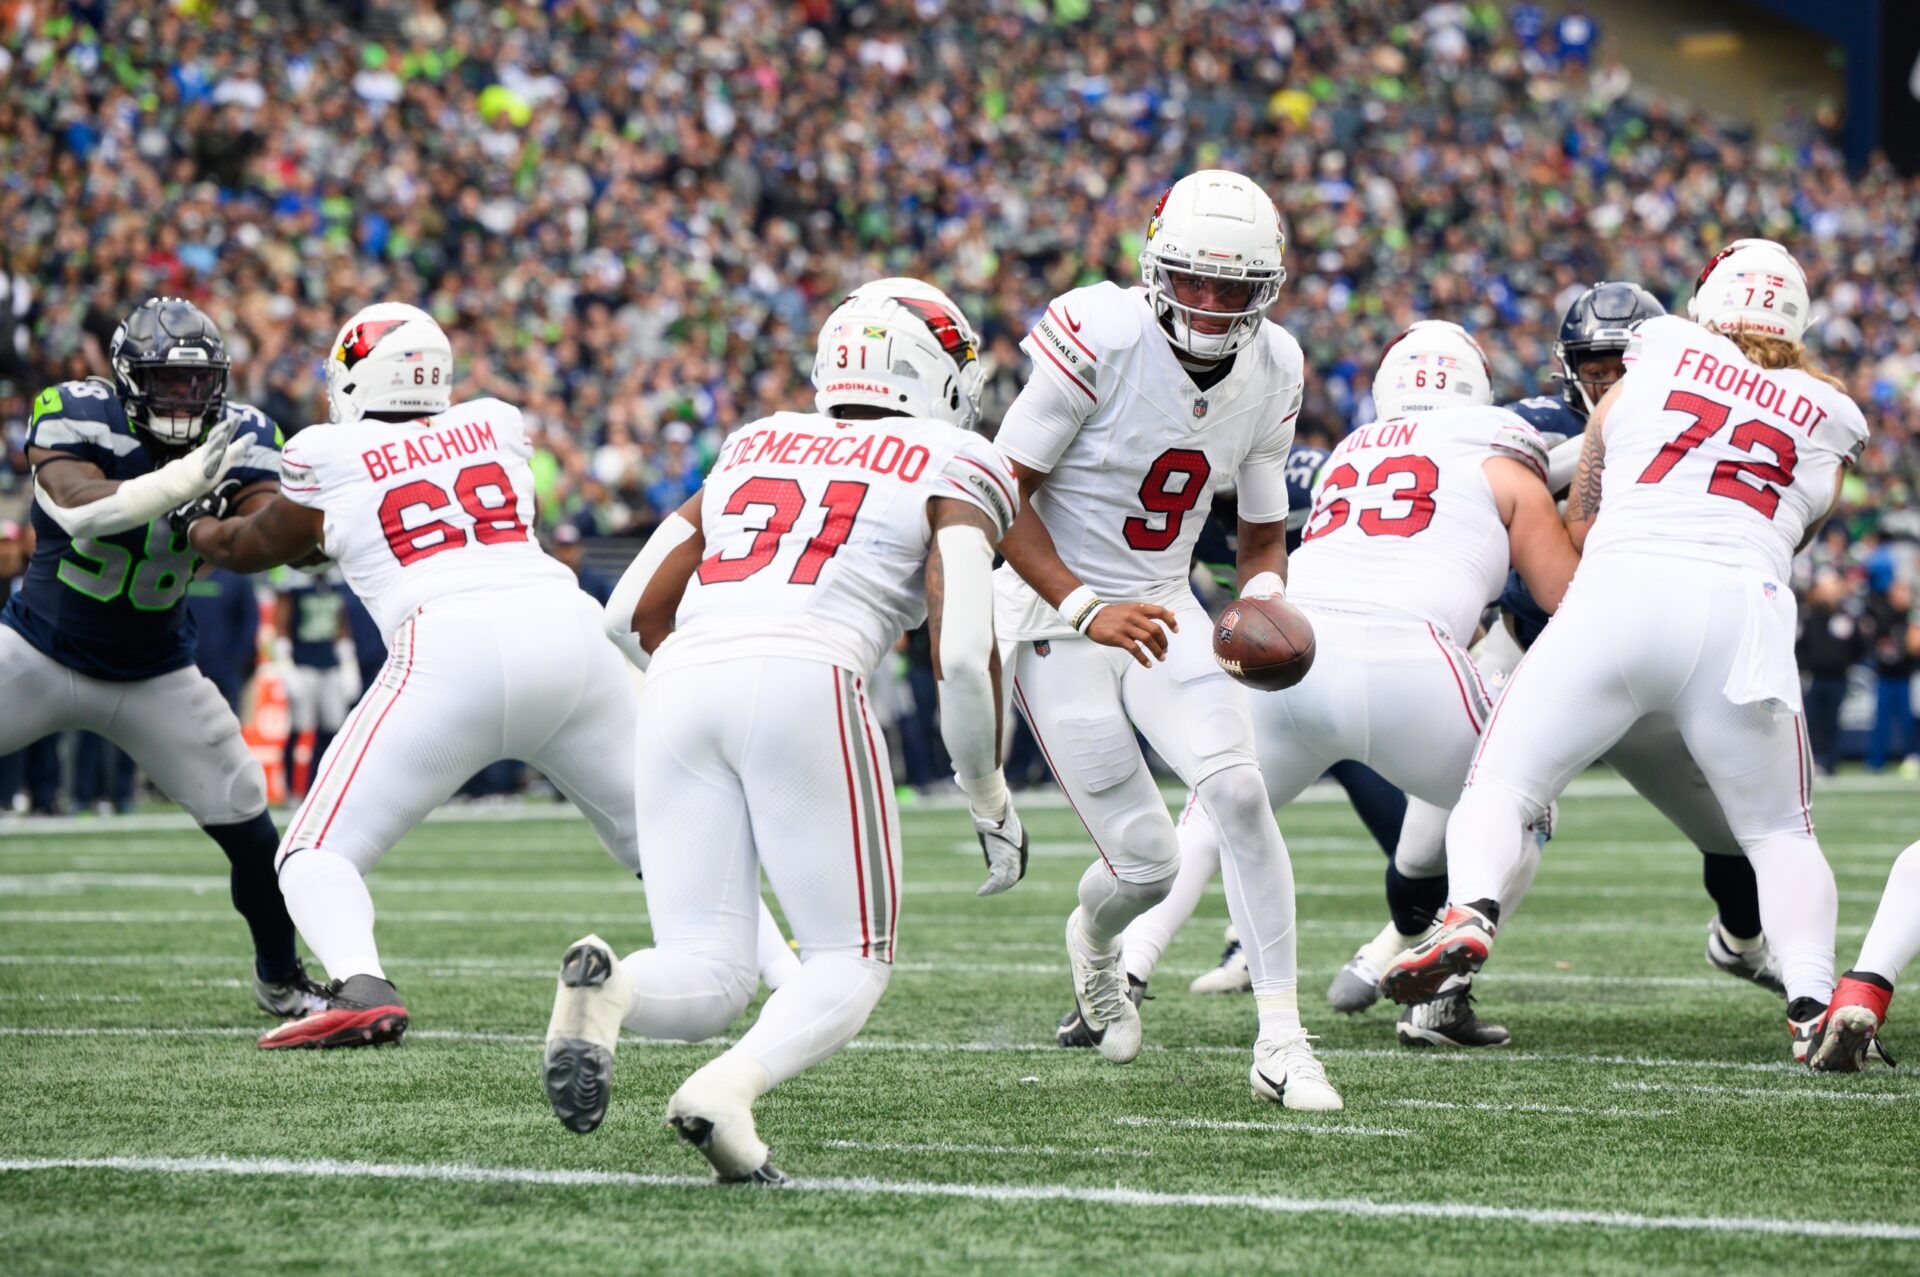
column 1538, row 544
column 966, row 664
column 271, row 534
column 79, row 497
column 1583, row 499
column 1028, row 546
column 642, row 607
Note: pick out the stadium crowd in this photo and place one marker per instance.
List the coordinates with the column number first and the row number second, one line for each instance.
column 631, row 213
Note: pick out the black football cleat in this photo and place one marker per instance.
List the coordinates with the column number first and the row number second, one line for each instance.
column 1448, row 1020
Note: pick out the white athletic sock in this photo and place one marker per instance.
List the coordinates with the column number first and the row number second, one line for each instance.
column 1484, row 844
column 778, row 962
column 1279, row 1010
column 1148, row 936
column 1258, row 875
column 815, row 1013
column 1799, row 911
column 328, row 901
column 1894, row 938
column 685, row 997
column 1109, row 904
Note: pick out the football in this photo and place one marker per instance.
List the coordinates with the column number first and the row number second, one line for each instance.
column 1265, row 643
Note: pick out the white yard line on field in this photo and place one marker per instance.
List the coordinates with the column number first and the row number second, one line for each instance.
column 573, row 917
column 521, row 968
column 989, row 1150
column 67, row 882
column 1128, row 1198
column 1770, row 1092
column 1423, row 1060
column 1281, row 1128
column 1545, row 1110
column 1045, row 798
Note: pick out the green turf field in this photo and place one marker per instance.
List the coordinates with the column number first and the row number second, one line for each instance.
column 1645, row 1118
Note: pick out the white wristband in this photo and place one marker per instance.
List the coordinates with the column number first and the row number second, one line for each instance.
column 1080, row 607
column 1264, row 585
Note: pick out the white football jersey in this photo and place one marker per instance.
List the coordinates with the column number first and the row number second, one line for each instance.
column 816, row 536
column 1132, row 467
column 1710, row 456
column 1404, row 523
column 423, row 509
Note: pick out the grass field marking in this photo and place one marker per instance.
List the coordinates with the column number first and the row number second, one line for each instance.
column 1129, row 1198
column 521, row 968
column 987, row 1150
column 1284, row 1128
column 1546, row 1110
column 61, row 883
column 1598, row 785
column 1422, row 1060
column 77, row 997
column 1770, row 1092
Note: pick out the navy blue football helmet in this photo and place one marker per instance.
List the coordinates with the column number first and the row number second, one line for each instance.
column 171, row 366
column 1598, row 323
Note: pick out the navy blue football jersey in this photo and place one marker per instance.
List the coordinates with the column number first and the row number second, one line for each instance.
column 111, row 608
column 318, row 602
column 1218, row 549
column 1556, row 423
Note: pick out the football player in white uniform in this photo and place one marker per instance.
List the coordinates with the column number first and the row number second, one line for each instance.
column 1416, row 519
column 1718, row 454
column 764, row 602
column 494, row 652
column 1143, row 401
column 1847, row 1035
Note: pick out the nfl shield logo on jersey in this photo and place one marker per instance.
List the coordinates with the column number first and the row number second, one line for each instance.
column 1042, row 648
column 1200, row 407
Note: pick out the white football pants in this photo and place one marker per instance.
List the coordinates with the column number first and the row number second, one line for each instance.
column 1641, row 635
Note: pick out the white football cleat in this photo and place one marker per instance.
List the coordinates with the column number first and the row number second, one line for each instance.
column 713, row 1111
column 1231, row 976
column 1356, row 986
column 594, row 994
column 1100, row 991
column 1757, row 964
column 1286, row 1071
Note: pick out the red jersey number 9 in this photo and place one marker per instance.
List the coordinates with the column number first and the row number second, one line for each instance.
column 1172, row 487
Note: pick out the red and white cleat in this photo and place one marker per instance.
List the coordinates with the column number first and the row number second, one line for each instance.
column 1847, row 1036
column 1459, row 946
column 361, row 1011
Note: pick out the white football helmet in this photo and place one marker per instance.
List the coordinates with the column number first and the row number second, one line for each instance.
column 1211, row 263
column 903, row 346
column 1755, row 286
column 1434, row 364
column 391, row 357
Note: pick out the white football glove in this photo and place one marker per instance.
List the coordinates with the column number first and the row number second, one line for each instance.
column 1003, row 842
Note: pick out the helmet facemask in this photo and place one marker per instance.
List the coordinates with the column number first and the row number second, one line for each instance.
column 1209, row 311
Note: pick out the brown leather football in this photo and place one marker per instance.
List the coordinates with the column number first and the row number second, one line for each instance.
column 1265, row 643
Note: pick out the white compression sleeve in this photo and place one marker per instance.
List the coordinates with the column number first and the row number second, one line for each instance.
column 967, row 707
column 139, row 501
column 673, row 532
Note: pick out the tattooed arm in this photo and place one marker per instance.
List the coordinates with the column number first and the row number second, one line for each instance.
column 1583, row 499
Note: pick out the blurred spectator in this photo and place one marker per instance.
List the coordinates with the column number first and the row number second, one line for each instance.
column 567, row 548
column 1895, row 658
column 1830, row 643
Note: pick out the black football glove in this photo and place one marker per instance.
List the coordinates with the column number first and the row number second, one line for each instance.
column 216, row 504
